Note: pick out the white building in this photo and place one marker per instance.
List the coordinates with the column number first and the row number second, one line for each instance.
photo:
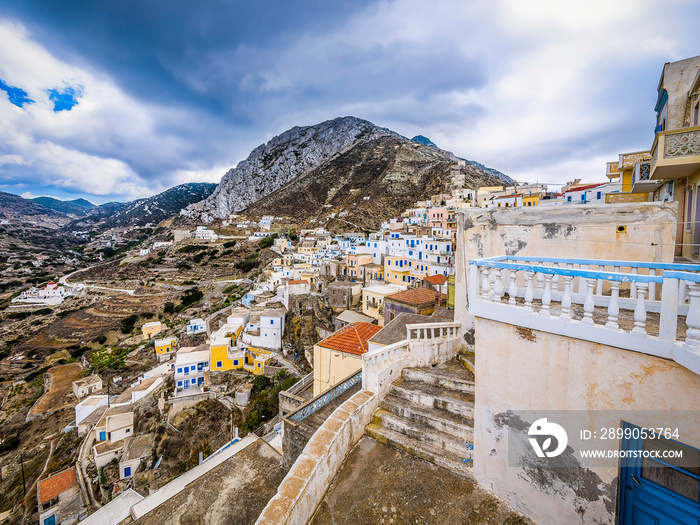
column 86, row 386
column 267, row 330
column 202, row 233
column 196, row 326
column 191, row 371
column 52, row 293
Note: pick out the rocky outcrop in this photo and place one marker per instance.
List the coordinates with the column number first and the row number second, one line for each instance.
column 283, row 159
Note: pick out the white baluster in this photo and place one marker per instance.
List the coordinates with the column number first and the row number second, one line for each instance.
column 555, row 279
column 582, row 286
column 485, row 285
column 546, row 295
column 528, row 290
column 613, row 306
column 599, row 284
column 640, row 311
column 633, row 284
column 683, row 292
column 512, row 287
column 540, row 280
column 692, row 335
column 588, row 304
column 652, row 286
column 498, row 285
column 566, row 300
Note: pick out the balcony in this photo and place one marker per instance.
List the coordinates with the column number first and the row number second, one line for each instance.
column 651, row 308
column 641, row 182
column 675, row 153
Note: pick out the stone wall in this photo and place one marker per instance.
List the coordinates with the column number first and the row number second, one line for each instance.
column 574, row 231
column 306, row 483
column 520, row 369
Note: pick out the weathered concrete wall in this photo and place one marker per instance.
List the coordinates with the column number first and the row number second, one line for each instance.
column 332, row 366
column 181, row 403
column 293, row 443
column 573, row 231
column 523, row 369
column 304, row 486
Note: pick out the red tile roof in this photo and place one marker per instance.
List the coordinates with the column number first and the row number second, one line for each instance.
column 586, row 187
column 437, row 279
column 51, row 487
column 352, row 338
column 414, row 296
column 300, row 281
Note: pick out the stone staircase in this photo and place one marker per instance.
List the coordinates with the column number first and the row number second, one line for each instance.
column 429, row 413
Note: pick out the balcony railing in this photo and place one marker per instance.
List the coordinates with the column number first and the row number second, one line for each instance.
column 652, row 308
column 675, row 153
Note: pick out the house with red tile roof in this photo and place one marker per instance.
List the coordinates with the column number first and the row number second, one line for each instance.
column 60, row 500
column 340, row 355
column 422, row 301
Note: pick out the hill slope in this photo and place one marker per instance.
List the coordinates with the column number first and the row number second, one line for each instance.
column 149, row 210
column 74, row 207
column 374, row 180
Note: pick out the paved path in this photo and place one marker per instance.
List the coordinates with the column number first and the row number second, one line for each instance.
column 64, row 281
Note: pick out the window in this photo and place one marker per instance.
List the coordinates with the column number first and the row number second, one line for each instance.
column 219, row 364
column 688, row 211
column 179, row 370
column 179, row 383
column 272, row 321
column 599, row 194
column 568, row 198
column 127, row 472
column 696, row 114
column 235, row 362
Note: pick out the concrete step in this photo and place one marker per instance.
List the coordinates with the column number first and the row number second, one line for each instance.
column 439, row 420
column 429, row 396
column 415, row 431
column 467, row 360
column 441, row 458
column 442, row 377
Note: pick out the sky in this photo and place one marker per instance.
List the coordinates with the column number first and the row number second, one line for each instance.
column 113, row 101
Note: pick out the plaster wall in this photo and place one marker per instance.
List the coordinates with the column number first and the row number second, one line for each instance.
column 332, row 366
column 308, row 480
column 523, row 369
column 581, row 231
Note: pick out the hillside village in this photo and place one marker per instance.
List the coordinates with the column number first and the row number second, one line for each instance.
column 253, row 368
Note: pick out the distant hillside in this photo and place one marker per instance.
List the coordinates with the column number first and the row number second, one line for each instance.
column 371, row 182
column 74, row 207
column 17, row 209
column 420, row 139
column 144, row 211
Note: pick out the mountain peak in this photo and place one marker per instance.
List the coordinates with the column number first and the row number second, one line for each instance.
column 420, row 139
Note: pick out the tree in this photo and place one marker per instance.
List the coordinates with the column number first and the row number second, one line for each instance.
column 261, row 382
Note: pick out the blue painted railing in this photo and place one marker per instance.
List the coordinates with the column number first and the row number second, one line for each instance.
column 591, row 262
column 324, row 399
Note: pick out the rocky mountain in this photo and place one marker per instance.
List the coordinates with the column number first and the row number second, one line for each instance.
column 296, row 159
column 420, row 139
column 144, row 211
column 76, row 207
column 284, row 158
column 372, row 181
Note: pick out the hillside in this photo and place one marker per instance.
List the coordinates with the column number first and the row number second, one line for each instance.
column 16, row 209
column 371, row 182
column 144, row 211
column 77, row 207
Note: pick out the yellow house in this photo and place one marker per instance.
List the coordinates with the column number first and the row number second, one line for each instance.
column 396, row 269
column 373, row 300
column 225, row 357
column 340, row 354
column 150, row 329
column 165, row 347
column 531, row 200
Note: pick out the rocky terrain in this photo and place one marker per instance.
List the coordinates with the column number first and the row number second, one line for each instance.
column 75, row 207
column 151, row 210
column 374, row 180
column 18, row 210
column 283, row 159
column 346, row 167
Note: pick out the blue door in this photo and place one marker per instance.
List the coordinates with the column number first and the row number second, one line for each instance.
column 103, row 436
column 187, row 383
column 659, row 491
column 127, row 472
column 51, row 520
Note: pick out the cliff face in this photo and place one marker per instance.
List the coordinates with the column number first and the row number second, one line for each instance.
column 271, row 166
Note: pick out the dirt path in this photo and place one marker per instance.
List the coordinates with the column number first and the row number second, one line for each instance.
column 46, row 465
column 59, row 383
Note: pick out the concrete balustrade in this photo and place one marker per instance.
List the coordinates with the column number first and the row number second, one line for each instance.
column 598, row 284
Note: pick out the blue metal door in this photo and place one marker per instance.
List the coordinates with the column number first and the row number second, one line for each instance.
column 51, row 520
column 659, row 491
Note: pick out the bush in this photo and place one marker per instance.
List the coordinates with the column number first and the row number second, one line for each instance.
column 191, row 248
column 8, row 444
column 128, row 324
column 261, row 382
column 229, row 244
column 43, row 311
column 169, row 308
column 191, row 297
column 246, row 265
column 100, row 339
column 18, row 315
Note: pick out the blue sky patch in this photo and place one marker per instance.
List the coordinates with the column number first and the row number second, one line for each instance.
column 16, row 95
column 64, row 101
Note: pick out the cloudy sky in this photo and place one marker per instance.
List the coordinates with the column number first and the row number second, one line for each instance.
column 120, row 100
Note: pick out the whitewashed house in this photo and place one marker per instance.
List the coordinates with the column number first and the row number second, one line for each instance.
column 196, row 326
column 191, row 372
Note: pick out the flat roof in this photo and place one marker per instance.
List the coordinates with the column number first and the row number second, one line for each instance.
column 349, row 316
column 383, row 289
column 90, row 380
column 192, row 357
column 137, row 447
column 92, row 401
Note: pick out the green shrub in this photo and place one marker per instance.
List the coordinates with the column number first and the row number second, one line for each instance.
column 229, row 244
column 128, row 324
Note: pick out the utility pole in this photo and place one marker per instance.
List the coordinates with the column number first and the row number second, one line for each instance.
column 108, row 393
column 24, row 486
